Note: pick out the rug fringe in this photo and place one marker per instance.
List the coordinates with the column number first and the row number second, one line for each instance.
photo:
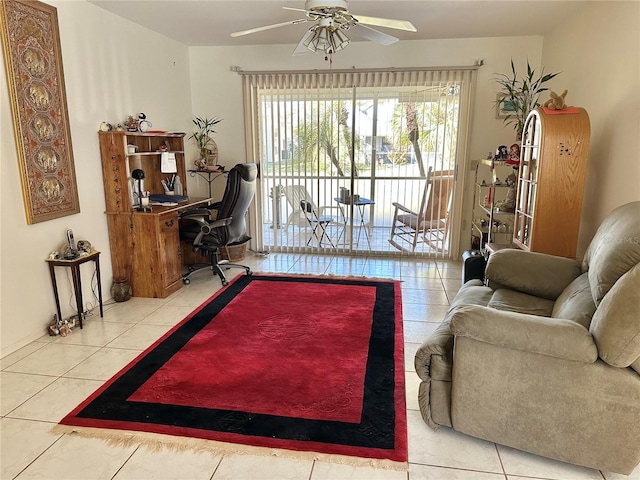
column 158, row 442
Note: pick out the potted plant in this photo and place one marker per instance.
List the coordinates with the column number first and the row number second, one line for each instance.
column 518, row 96
column 202, row 137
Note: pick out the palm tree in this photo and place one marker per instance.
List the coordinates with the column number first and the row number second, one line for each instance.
column 413, row 130
column 324, row 132
column 409, row 124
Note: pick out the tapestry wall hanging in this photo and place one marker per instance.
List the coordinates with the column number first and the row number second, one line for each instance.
column 33, row 61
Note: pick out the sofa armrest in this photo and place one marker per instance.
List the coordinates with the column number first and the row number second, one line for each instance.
column 537, row 274
column 553, row 337
column 440, row 343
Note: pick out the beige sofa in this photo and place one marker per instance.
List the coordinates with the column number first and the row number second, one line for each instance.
column 546, row 357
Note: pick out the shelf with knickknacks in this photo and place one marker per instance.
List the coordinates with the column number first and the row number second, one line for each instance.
column 495, row 197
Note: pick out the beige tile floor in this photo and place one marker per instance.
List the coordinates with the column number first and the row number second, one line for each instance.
column 43, row 381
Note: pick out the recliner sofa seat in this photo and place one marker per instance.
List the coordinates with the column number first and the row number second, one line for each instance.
column 546, row 356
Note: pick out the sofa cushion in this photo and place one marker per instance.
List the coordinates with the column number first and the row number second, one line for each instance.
column 614, row 250
column 512, row 301
column 534, row 273
column 616, row 323
column 575, row 302
column 636, row 365
column 472, row 293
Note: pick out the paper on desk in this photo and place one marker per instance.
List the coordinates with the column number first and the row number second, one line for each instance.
column 168, row 162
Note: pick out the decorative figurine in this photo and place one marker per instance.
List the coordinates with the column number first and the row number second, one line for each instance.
column 131, row 124
column 143, row 124
column 502, row 154
column 106, row 127
column 556, row 102
column 514, row 155
column 509, row 203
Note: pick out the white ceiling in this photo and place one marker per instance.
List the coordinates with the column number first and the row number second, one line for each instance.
column 210, row 22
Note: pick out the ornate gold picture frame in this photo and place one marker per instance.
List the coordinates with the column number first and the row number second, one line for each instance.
column 33, row 60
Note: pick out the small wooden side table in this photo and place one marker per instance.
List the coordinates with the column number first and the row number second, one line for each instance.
column 74, row 264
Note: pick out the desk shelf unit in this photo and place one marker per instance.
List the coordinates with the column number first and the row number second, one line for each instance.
column 553, row 166
column 145, row 246
column 491, row 188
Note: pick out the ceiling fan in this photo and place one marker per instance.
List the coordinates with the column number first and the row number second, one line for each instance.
column 332, row 19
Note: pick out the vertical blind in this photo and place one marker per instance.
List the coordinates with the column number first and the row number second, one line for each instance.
column 376, row 133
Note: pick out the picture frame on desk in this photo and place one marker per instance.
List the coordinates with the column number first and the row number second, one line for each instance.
column 35, row 77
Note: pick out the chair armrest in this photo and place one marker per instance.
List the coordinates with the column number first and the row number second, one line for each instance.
column 196, row 214
column 537, row 274
column 221, row 222
column 553, row 337
column 207, row 227
column 403, row 208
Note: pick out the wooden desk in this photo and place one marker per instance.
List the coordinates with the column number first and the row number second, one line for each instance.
column 74, row 265
column 145, row 248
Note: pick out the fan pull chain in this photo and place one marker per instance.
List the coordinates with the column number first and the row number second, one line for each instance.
column 330, row 59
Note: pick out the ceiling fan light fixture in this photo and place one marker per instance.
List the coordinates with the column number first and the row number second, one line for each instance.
column 340, row 40
column 333, row 19
column 326, row 39
column 320, row 41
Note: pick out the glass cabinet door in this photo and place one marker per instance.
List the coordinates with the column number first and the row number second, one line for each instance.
column 527, row 181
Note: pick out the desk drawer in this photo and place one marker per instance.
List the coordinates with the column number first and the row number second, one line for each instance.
column 169, row 248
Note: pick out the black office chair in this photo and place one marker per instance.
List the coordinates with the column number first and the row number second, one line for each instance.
column 229, row 227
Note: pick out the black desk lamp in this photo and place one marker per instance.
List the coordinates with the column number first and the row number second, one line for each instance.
column 139, row 175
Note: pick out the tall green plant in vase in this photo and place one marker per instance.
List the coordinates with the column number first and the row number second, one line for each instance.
column 518, row 96
column 202, row 136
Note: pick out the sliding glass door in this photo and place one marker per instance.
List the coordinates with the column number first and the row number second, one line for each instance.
column 340, row 153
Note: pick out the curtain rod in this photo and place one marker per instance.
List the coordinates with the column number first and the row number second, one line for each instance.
column 239, row 70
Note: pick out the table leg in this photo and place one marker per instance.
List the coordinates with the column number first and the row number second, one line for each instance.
column 97, row 261
column 361, row 226
column 77, row 285
column 364, row 225
column 55, row 290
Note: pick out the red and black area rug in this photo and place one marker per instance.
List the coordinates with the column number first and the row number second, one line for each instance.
column 292, row 362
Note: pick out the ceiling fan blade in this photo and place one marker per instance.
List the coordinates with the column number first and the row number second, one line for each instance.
column 295, row 9
column 374, row 35
column 269, row 27
column 301, row 48
column 386, row 22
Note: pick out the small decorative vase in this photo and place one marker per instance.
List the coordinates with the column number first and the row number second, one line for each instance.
column 121, row 290
column 212, row 153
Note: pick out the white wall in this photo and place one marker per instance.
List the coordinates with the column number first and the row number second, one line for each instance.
column 113, row 68
column 598, row 52
column 216, row 90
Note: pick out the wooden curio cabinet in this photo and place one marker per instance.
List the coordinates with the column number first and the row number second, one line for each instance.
column 145, row 246
column 553, row 166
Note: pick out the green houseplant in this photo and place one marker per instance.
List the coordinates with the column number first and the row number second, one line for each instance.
column 202, row 137
column 518, row 96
